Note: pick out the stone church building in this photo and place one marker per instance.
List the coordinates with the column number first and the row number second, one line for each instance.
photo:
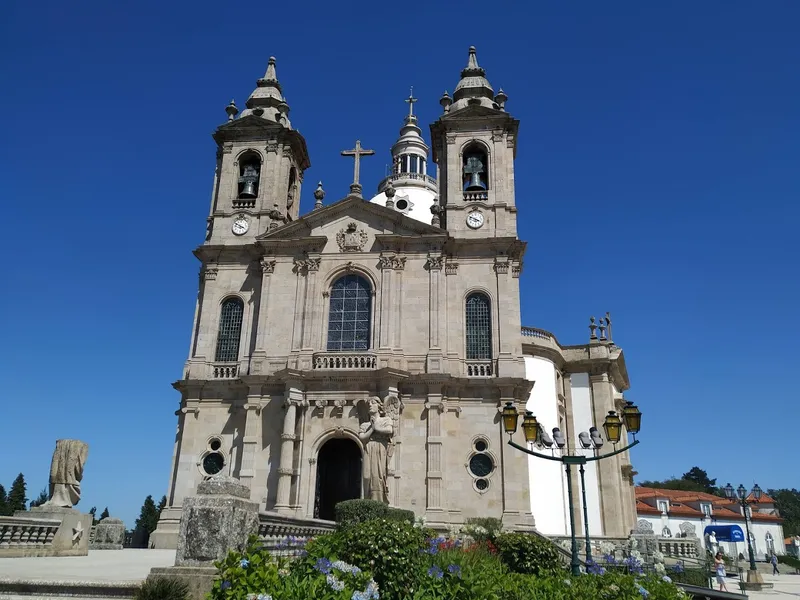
column 365, row 349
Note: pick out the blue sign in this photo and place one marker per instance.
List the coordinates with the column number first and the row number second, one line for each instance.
column 726, row 533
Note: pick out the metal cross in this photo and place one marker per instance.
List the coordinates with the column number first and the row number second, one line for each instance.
column 357, row 153
column 411, row 101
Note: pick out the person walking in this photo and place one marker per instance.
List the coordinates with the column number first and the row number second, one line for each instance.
column 719, row 569
column 774, row 561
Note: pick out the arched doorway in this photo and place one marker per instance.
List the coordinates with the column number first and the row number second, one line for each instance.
column 338, row 476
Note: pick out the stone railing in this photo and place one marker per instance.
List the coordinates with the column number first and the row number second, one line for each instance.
column 600, row 545
column 23, row 532
column 480, row 368
column 287, row 535
column 225, row 370
column 536, row 332
column 476, row 196
column 406, row 176
column 679, row 547
column 244, row 203
column 345, row 361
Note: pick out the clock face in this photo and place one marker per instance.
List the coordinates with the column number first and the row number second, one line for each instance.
column 475, row 219
column 240, row 226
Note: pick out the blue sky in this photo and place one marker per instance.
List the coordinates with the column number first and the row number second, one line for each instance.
column 656, row 178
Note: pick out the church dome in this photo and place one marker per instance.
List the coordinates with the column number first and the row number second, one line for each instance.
column 411, row 190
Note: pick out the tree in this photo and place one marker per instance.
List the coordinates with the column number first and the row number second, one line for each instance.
column 788, row 504
column 161, row 504
column 700, row 477
column 43, row 497
column 93, row 512
column 3, row 502
column 145, row 524
column 17, row 499
column 104, row 514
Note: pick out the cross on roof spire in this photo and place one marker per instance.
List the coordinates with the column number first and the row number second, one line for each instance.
column 411, row 101
column 357, row 153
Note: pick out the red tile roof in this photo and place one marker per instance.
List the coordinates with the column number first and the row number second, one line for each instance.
column 722, row 507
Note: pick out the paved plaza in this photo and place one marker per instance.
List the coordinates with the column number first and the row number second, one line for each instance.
column 100, row 566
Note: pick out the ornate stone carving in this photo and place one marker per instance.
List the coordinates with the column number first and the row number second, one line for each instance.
column 227, row 147
column 351, row 238
column 451, row 139
column 451, row 268
column 303, row 266
column 510, row 141
column 516, row 270
column 687, row 529
column 399, row 263
column 377, row 434
column 326, row 294
column 501, row 266
column 272, row 146
column 267, row 266
column 209, row 273
column 340, row 403
column 385, row 262
column 628, row 473
column 66, row 473
column 312, row 264
column 435, row 263
column 287, row 151
column 497, row 136
column 643, row 526
column 320, row 403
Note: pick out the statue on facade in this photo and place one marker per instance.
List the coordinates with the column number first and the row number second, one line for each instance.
column 66, row 473
column 377, row 435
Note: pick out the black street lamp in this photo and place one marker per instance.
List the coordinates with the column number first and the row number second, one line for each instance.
column 740, row 495
column 532, row 429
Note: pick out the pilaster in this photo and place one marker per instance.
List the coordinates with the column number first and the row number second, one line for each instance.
column 386, row 323
column 251, row 438
column 311, row 267
column 507, row 314
column 294, row 398
column 434, row 266
column 515, row 471
column 436, row 502
column 267, row 265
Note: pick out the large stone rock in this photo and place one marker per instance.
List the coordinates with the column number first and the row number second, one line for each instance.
column 109, row 534
column 219, row 518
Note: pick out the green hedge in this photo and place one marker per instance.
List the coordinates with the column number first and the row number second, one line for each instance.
column 353, row 512
column 400, row 514
column 790, row 561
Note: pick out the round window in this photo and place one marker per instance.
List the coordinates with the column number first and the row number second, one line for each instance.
column 481, row 465
column 215, row 444
column 213, row 463
column 481, row 484
column 401, row 204
column 480, row 446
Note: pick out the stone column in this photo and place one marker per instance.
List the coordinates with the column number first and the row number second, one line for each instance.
column 609, row 473
column 385, row 336
column 312, row 267
column 507, row 315
column 294, row 398
column 398, row 265
column 267, row 269
column 209, row 307
column 434, row 477
column 252, row 437
column 434, row 266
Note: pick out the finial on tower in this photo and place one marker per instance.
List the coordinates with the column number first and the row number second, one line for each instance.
column 232, row 110
column 501, row 99
column 270, row 75
column 319, row 194
column 446, row 101
column 390, row 192
column 411, row 100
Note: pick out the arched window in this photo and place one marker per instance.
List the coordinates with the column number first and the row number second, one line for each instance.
column 479, row 327
column 350, row 316
column 230, row 330
column 249, row 175
column 475, row 168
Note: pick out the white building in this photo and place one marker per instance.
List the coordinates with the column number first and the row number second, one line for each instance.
column 667, row 510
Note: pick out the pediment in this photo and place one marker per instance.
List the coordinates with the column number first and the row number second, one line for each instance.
column 475, row 111
column 353, row 225
column 249, row 123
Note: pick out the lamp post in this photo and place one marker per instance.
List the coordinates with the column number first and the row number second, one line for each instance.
column 632, row 419
column 740, row 496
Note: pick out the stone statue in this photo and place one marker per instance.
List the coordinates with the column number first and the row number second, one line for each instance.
column 66, row 472
column 377, row 435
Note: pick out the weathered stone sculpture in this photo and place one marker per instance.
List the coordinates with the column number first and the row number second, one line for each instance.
column 377, row 436
column 66, row 473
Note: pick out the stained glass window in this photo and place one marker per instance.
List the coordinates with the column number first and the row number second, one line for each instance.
column 350, row 314
column 479, row 327
column 230, row 330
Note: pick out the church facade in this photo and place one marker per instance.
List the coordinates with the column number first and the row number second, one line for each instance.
column 366, row 348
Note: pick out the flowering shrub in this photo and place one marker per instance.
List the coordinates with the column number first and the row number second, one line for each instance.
column 255, row 575
column 482, row 529
column 528, row 554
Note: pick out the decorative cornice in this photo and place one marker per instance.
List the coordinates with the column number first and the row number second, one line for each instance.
column 501, row 266
column 392, row 261
column 303, row 266
column 209, row 273
column 451, row 268
column 272, row 146
column 516, row 270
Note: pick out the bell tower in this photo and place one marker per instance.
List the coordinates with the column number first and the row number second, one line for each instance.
column 474, row 146
column 260, row 166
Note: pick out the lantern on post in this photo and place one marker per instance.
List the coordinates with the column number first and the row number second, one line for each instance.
column 510, row 418
column 632, row 417
column 530, row 427
column 613, row 427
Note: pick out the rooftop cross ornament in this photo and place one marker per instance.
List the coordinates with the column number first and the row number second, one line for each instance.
column 357, row 153
column 411, row 101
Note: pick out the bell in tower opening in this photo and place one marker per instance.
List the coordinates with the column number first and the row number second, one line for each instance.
column 248, row 178
column 475, row 170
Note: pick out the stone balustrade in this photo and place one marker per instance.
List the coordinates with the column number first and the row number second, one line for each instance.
column 244, row 203
column 536, row 332
column 286, row 535
column 679, row 547
column 225, row 370
column 480, row 368
column 345, row 361
column 476, row 196
column 398, row 177
column 19, row 533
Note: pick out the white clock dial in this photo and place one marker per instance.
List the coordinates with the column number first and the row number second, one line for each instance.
column 240, row 226
column 475, row 219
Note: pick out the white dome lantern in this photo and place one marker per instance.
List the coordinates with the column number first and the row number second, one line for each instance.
column 415, row 190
